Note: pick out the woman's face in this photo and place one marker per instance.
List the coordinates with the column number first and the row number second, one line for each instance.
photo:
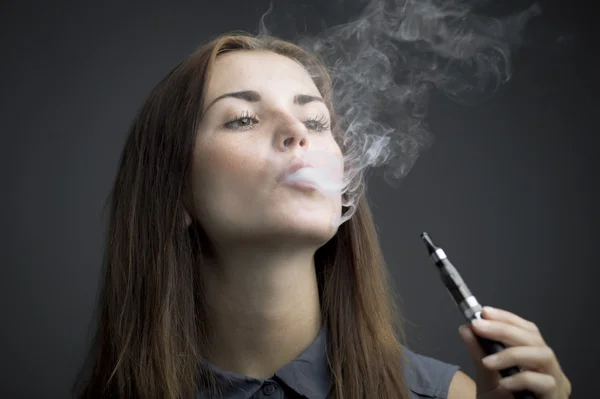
column 247, row 141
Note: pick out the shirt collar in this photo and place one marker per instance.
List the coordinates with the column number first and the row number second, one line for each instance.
column 308, row 375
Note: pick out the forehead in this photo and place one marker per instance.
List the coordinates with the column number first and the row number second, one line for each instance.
column 258, row 70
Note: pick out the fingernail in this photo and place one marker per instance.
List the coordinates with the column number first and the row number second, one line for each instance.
column 481, row 323
column 508, row 382
column 462, row 328
column 489, row 309
column 490, row 360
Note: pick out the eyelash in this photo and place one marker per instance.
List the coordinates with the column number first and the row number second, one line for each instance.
column 322, row 121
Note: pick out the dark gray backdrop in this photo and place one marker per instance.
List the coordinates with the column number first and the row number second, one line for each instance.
column 509, row 188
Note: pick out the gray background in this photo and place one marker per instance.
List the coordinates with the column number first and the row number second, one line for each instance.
column 508, row 189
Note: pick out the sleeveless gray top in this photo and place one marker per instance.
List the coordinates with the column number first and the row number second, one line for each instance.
column 308, row 377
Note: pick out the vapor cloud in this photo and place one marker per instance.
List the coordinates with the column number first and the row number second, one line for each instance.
column 384, row 64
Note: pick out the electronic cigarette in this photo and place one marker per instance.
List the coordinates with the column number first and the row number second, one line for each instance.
column 468, row 305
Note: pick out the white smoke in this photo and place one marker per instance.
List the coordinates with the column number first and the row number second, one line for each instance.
column 384, row 64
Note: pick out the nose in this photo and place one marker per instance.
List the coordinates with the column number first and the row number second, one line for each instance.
column 292, row 135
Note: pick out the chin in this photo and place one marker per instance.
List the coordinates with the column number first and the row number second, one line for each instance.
column 314, row 226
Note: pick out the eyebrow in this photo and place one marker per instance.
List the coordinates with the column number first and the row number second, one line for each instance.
column 254, row 96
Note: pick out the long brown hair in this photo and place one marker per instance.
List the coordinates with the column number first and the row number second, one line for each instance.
column 150, row 331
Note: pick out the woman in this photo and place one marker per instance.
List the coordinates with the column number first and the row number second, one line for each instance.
column 224, row 279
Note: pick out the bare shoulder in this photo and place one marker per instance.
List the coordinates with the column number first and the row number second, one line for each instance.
column 462, row 386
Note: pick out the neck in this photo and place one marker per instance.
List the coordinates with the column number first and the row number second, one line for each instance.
column 262, row 309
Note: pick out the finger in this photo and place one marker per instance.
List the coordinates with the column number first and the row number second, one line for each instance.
column 539, row 383
column 487, row 379
column 508, row 334
column 496, row 314
column 535, row 358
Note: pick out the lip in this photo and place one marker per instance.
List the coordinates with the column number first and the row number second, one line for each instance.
column 301, row 184
column 297, row 164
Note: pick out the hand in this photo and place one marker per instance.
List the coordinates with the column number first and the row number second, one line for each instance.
column 541, row 373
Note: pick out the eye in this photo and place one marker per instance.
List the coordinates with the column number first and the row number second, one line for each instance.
column 317, row 123
column 243, row 121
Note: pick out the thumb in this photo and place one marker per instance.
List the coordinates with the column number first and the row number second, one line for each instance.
column 468, row 337
column 486, row 379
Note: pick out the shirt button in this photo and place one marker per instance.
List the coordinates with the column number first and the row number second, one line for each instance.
column 269, row 389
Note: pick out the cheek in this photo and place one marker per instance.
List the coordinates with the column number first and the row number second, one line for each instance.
column 226, row 178
column 225, row 162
